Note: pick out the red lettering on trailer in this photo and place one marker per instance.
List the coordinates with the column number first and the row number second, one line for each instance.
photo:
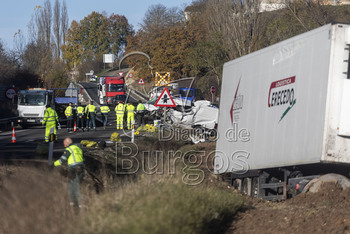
column 280, row 97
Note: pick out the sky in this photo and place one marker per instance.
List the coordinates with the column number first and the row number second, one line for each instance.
column 16, row 14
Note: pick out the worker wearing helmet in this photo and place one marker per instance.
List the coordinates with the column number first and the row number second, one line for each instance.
column 50, row 120
column 74, row 157
column 119, row 110
column 131, row 115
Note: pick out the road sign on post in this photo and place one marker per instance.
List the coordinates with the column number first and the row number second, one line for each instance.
column 141, row 82
column 165, row 99
column 162, row 80
column 10, row 93
column 212, row 90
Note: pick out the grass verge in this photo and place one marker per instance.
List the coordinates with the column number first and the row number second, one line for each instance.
column 163, row 207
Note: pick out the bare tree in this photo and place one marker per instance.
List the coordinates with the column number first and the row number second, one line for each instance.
column 45, row 22
column 60, row 26
column 159, row 17
column 234, row 24
column 19, row 44
column 64, row 21
column 317, row 15
column 39, row 48
column 57, row 28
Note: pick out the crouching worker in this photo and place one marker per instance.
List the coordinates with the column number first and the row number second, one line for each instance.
column 74, row 157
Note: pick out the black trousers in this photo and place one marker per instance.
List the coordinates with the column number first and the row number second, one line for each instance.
column 80, row 121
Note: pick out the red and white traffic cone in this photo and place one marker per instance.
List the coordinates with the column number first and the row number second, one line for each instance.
column 13, row 136
column 75, row 127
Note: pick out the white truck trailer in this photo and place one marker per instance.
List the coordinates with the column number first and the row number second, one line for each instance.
column 285, row 114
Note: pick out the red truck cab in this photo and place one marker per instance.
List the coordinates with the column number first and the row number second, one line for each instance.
column 110, row 87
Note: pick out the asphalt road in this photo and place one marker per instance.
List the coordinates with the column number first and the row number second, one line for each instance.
column 27, row 140
column 91, row 89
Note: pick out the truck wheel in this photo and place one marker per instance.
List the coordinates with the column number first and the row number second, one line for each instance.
column 296, row 174
column 245, row 186
column 255, row 187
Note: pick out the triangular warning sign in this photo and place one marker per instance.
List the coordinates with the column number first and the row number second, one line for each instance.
column 141, row 81
column 165, row 99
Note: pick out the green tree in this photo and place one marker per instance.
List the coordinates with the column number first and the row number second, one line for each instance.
column 119, row 29
column 73, row 49
column 94, row 33
column 57, row 77
column 94, row 36
column 168, row 51
column 164, row 37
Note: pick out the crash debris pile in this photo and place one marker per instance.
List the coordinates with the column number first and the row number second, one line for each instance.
column 199, row 113
column 89, row 144
column 146, row 128
column 115, row 137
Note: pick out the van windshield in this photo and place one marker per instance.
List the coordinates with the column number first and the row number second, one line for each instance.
column 31, row 98
column 186, row 93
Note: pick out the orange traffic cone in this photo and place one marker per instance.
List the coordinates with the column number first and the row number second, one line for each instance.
column 13, row 136
column 75, row 127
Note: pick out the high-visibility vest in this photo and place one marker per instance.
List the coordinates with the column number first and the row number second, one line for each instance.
column 130, row 108
column 140, row 107
column 90, row 108
column 80, row 110
column 105, row 109
column 75, row 157
column 50, row 116
column 69, row 111
column 119, row 109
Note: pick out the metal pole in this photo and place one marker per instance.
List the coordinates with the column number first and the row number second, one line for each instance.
column 116, row 157
column 51, row 147
column 164, row 115
column 212, row 98
column 132, row 135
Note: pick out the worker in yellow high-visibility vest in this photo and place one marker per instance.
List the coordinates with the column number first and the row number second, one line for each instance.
column 80, row 117
column 140, row 111
column 119, row 111
column 74, row 157
column 69, row 115
column 90, row 110
column 104, row 111
column 51, row 121
column 130, row 115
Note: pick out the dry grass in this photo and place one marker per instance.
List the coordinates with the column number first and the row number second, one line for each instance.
column 35, row 198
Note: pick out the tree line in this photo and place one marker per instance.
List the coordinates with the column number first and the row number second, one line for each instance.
column 212, row 33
